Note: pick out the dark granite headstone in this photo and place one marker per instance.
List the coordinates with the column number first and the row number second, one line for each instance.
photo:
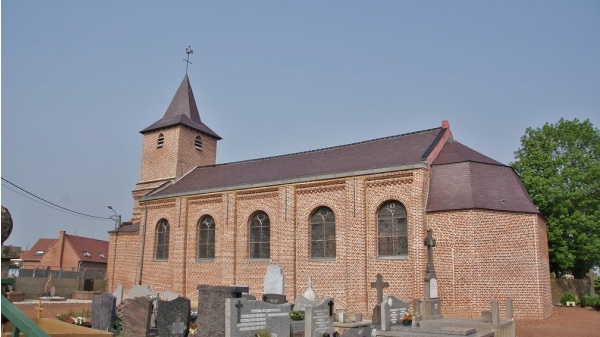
column 243, row 318
column 136, row 317
column 211, row 307
column 103, row 311
column 173, row 317
column 318, row 319
column 274, row 298
column 392, row 312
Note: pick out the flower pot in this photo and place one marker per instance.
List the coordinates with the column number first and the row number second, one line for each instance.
column 407, row 322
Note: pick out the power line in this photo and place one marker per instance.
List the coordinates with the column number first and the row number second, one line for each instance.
column 47, row 203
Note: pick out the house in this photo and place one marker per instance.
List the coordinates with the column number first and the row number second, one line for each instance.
column 67, row 253
column 339, row 215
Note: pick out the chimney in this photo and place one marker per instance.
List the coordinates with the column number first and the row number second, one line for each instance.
column 445, row 124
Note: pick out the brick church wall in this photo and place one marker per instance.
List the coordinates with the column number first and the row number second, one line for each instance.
column 480, row 255
column 488, row 255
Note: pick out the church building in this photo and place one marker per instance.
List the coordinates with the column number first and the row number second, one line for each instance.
column 339, row 215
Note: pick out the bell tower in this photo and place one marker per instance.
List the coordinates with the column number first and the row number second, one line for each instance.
column 176, row 143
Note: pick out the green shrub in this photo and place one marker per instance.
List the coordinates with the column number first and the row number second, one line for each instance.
column 567, row 297
column 597, row 285
column 589, row 301
column 262, row 333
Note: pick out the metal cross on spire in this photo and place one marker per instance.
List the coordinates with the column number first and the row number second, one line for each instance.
column 189, row 51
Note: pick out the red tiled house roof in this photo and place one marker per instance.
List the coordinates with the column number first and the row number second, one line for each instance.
column 42, row 245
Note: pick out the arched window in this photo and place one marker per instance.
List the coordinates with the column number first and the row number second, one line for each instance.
column 160, row 140
column 322, row 233
column 392, row 232
column 162, row 240
column 206, row 237
column 260, row 236
column 198, row 142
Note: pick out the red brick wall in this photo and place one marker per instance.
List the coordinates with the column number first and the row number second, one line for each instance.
column 177, row 156
column 480, row 255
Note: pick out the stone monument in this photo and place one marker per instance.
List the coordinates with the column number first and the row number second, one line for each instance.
column 432, row 307
column 378, row 285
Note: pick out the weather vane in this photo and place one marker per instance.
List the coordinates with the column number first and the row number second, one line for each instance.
column 189, row 51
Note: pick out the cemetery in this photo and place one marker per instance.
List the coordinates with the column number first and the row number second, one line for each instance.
column 231, row 311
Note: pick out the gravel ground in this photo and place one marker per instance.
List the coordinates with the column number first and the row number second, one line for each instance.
column 564, row 322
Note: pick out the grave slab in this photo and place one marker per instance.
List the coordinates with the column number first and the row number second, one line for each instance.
column 319, row 318
column 243, row 318
column 103, row 311
column 173, row 317
column 211, row 307
column 274, row 281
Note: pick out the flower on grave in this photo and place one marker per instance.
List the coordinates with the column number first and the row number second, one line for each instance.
column 408, row 315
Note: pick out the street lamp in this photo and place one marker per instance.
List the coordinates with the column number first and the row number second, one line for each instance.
column 115, row 217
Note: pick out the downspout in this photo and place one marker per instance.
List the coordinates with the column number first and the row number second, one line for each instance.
column 143, row 244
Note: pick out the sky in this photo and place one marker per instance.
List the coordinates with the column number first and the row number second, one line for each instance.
column 80, row 79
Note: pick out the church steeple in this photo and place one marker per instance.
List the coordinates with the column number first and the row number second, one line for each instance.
column 178, row 142
column 182, row 111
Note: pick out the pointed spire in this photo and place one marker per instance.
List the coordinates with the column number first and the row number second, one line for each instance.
column 182, row 110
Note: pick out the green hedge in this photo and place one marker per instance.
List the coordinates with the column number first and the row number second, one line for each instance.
column 589, row 301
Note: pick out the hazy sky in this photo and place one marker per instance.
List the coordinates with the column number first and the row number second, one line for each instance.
column 80, row 79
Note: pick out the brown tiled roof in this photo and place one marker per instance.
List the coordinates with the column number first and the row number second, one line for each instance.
column 182, row 111
column 40, row 245
column 93, row 246
column 359, row 158
column 462, row 178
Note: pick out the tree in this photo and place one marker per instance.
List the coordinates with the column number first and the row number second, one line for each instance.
column 559, row 165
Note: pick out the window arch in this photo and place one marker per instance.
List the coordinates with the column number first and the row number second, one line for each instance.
column 260, row 236
column 160, row 140
column 322, row 233
column 162, row 240
column 206, row 237
column 198, row 142
column 392, row 230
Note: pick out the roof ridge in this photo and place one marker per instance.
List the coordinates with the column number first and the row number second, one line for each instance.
column 322, row 149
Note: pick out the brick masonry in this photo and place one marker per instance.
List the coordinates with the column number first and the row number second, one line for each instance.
column 481, row 255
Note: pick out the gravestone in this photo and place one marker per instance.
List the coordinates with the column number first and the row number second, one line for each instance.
column 379, row 285
column 167, row 296
column 243, row 318
column 103, row 311
column 274, row 282
column 141, row 291
column 119, row 294
column 392, row 311
column 274, row 298
column 302, row 302
column 318, row 319
column 173, row 317
column 137, row 313
column 249, row 297
column 358, row 332
column 310, row 294
column 211, row 307
column 432, row 307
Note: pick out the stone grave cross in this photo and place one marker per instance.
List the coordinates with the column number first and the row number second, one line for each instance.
column 379, row 285
column 429, row 241
column 432, row 304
